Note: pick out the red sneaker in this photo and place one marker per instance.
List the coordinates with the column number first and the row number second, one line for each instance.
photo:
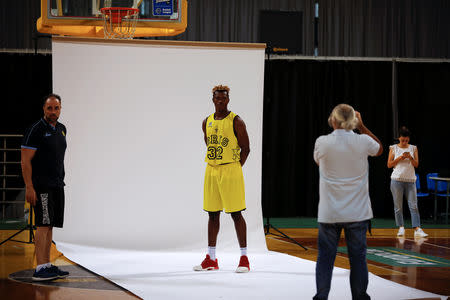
column 207, row 264
column 244, row 265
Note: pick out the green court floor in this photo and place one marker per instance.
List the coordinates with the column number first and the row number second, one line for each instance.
column 304, row 222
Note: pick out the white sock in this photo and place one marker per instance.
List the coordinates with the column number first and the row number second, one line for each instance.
column 212, row 252
column 244, row 251
column 40, row 267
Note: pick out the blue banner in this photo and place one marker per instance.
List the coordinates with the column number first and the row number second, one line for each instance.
column 162, row 8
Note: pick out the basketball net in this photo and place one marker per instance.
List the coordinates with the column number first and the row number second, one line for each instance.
column 119, row 22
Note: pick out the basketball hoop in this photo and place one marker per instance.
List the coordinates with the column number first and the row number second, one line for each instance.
column 119, row 22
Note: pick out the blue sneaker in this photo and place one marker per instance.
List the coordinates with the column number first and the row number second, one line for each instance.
column 61, row 274
column 44, row 274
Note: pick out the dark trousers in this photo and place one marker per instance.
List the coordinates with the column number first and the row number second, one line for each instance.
column 355, row 237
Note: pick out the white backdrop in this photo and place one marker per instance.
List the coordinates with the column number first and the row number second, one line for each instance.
column 135, row 157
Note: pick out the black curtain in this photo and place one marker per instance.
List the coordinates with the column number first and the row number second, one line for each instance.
column 385, row 28
column 299, row 96
column 424, row 107
column 376, row 28
column 372, row 28
column 28, row 80
column 18, row 25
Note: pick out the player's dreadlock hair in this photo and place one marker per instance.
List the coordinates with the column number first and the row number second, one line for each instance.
column 221, row 88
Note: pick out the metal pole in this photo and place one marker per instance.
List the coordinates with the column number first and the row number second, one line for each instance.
column 394, row 99
column 435, row 200
column 316, row 29
column 4, row 179
column 446, row 205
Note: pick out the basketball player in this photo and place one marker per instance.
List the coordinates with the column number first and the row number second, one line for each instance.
column 43, row 149
column 228, row 147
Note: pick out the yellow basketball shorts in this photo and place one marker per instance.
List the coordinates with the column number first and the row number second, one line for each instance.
column 224, row 188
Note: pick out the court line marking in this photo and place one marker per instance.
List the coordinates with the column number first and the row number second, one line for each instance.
column 409, row 255
column 431, row 244
column 393, row 272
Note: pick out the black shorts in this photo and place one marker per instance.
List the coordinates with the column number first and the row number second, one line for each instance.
column 49, row 208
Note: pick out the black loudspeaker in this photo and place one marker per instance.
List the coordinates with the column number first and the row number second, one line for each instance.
column 282, row 31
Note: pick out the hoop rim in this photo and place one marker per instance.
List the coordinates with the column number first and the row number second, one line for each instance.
column 108, row 10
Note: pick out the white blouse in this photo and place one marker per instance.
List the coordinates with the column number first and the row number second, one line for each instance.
column 404, row 171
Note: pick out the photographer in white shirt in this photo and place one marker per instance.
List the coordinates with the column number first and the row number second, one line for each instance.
column 344, row 202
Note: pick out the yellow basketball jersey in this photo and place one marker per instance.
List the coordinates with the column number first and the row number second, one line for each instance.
column 222, row 143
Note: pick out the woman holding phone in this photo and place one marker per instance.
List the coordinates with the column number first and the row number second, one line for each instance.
column 404, row 158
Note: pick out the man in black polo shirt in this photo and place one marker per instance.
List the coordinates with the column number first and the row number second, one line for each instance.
column 43, row 149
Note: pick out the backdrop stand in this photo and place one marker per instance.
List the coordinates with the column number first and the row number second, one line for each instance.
column 29, row 227
column 282, row 234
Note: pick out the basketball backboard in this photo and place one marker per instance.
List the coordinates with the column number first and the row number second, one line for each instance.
column 83, row 17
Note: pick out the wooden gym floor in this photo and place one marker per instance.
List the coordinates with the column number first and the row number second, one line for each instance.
column 17, row 262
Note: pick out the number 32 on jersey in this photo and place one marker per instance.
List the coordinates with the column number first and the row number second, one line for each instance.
column 215, row 153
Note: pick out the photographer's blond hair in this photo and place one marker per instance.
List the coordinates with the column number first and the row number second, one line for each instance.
column 344, row 117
